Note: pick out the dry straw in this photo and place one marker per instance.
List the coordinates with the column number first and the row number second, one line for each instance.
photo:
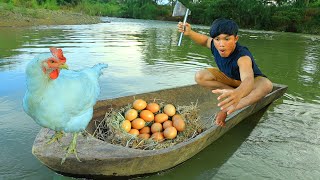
column 109, row 129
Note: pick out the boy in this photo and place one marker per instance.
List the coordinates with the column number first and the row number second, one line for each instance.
column 238, row 80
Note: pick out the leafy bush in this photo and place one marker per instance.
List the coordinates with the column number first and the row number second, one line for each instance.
column 22, row 3
column 287, row 20
column 280, row 15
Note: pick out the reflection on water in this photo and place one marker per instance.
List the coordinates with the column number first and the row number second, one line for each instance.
column 310, row 66
column 283, row 146
column 143, row 56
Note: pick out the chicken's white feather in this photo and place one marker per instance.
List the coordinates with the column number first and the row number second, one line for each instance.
column 66, row 103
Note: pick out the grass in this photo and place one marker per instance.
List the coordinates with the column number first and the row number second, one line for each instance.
column 13, row 16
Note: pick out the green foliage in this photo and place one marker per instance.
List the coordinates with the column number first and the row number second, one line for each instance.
column 200, row 14
column 99, row 9
column 147, row 11
column 9, row 7
column 287, row 19
column 311, row 21
column 142, row 9
column 315, row 4
column 22, row 3
column 68, row 2
column 279, row 15
column 51, row 4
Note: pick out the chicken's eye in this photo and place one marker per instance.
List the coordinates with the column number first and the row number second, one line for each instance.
column 52, row 61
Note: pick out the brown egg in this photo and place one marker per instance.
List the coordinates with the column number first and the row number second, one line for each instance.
column 145, row 130
column 147, row 115
column 161, row 117
column 167, row 124
column 169, row 109
column 170, row 133
column 126, row 125
column 139, row 104
column 157, row 136
column 153, row 107
column 131, row 114
column 179, row 124
column 176, row 116
column 144, row 136
column 134, row 132
column 138, row 123
column 156, row 127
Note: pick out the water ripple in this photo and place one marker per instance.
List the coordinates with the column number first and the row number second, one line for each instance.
column 143, row 57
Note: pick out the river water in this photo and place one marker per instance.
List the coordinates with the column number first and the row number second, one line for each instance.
column 142, row 56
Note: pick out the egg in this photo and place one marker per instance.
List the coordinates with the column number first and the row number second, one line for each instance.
column 126, row 125
column 167, row 124
column 138, row 123
column 145, row 130
column 156, row 127
column 131, row 114
column 161, row 117
column 176, row 116
column 169, row 109
column 153, row 107
column 144, row 136
column 139, row 104
column 147, row 115
column 170, row 133
column 179, row 124
column 134, row 132
column 157, row 136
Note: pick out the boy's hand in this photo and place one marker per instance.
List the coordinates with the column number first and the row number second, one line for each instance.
column 228, row 100
column 186, row 29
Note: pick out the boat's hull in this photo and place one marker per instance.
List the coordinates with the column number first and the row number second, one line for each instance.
column 102, row 158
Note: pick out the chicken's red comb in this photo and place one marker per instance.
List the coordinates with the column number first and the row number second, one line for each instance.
column 58, row 54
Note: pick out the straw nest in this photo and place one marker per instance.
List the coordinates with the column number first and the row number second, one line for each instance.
column 109, row 129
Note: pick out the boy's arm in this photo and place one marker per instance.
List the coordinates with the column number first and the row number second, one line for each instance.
column 231, row 98
column 198, row 38
column 246, row 75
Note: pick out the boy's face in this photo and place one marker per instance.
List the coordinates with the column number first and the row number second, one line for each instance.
column 225, row 44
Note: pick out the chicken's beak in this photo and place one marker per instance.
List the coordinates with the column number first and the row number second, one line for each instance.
column 63, row 66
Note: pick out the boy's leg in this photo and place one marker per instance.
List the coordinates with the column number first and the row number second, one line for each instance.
column 211, row 78
column 262, row 86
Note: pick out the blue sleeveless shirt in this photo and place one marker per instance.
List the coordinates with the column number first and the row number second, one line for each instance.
column 229, row 65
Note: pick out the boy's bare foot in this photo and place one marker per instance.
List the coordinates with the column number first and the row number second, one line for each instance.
column 220, row 118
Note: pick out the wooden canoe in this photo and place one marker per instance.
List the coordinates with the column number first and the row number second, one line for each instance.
column 100, row 158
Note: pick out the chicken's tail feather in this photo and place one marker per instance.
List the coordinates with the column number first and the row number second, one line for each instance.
column 98, row 68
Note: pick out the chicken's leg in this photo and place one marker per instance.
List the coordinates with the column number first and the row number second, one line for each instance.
column 57, row 135
column 72, row 148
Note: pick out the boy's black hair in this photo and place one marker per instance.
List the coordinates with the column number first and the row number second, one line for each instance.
column 223, row 26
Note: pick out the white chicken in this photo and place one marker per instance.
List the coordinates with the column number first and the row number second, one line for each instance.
column 59, row 99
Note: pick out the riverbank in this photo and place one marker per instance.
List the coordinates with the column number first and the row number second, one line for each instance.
column 20, row 17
